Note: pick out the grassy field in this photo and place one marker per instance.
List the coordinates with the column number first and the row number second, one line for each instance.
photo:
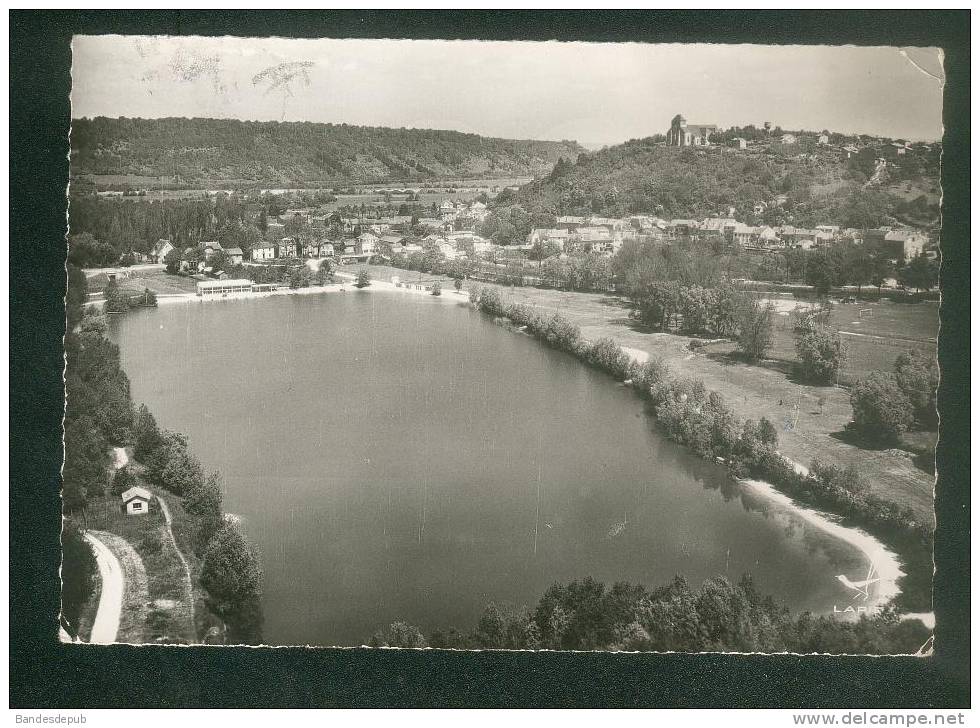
column 161, row 283
column 875, row 334
column 811, row 419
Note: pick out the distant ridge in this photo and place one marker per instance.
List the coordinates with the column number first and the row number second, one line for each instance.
column 192, row 151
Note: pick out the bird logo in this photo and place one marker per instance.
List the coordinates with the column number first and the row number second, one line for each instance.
column 861, row 588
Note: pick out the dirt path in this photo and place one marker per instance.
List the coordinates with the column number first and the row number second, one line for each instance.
column 188, row 582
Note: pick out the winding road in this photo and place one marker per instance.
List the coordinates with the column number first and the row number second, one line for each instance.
column 106, row 624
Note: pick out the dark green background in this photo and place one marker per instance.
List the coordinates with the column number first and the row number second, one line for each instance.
column 44, row 673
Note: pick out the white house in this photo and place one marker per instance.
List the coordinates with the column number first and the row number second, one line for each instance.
column 287, row 248
column 788, row 139
column 136, row 501
column 264, row 251
column 366, row 243
column 160, row 250
column 234, row 255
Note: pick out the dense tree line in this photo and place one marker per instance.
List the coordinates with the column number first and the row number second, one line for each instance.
column 701, row 419
column 189, row 150
column 718, row 616
column 886, row 404
column 99, row 413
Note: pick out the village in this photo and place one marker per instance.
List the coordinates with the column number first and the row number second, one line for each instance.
column 457, row 230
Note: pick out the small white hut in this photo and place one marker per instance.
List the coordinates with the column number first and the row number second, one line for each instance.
column 136, row 501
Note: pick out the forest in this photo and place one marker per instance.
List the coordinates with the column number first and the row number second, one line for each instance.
column 188, row 151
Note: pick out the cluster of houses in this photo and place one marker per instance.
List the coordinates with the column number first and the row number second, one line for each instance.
column 606, row 235
column 451, row 235
column 684, row 134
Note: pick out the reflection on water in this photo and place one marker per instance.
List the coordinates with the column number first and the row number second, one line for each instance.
column 394, row 457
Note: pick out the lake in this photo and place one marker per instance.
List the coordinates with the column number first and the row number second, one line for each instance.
column 396, row 457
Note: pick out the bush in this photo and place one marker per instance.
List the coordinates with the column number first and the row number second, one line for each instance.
column 605, row 354
column 399, row 634
column 821, row 350
column 756, row 330
column 918, row 378
column 436, row 289
column 231, row 576
column 363, row 279
column 490, row 301
column 881, row 410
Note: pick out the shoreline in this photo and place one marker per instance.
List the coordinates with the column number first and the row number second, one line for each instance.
column 885, row 561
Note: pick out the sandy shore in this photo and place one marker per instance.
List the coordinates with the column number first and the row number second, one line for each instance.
column 885, row 562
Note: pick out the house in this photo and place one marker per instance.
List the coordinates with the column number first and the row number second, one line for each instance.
column 366, row 243
column 849, row 150
column 287, row 248
column 326, row 249
column 718, row 227
column 739, row 143
column 540, row 236
column 210, row 248
column 682, row 227
column 743, row 235
column 235, row 255
column 823, row 139
column 311, row 249
column 160, row 250
column 265, row 251
column 893, row 150
column 136, row 501
column 904, row 244
column 788, row 139
column 478, row 211
column 275, row 230
column 569, row 222
column 682, row 134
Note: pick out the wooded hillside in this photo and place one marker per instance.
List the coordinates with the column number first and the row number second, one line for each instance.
column 193, row 150
column 820, row 186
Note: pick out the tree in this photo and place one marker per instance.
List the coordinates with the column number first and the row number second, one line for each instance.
column 458, row 283
column 436, row 289
column 821, row 273
column 755, row 333
column 881, row 410
column 115, row 300
column 920, row 273
column 821, row 351
column 299, row 277
column 173, row 260
column 918, row 378
column 231, row 576
column 399, row 634
column 363, row 279
column 78, row 569
column 123, row 480
column 203, row 501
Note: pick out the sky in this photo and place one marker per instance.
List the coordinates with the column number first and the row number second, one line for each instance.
column 594, row 93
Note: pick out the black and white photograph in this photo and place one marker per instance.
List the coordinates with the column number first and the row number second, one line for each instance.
column 421, row 345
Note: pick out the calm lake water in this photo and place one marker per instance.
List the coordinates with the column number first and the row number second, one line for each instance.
column 390, row 454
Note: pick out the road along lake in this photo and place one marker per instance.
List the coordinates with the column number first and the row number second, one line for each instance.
column 396, row 457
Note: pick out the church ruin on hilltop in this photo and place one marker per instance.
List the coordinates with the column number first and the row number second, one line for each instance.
column 682, row 134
